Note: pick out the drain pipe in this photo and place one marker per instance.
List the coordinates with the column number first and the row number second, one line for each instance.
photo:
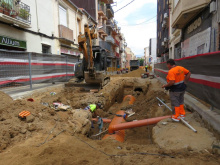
column 116, row 135
column 135, row 124
column 132, row 99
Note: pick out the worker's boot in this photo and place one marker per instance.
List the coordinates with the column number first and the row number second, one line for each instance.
column 177, row 114
column 182, row 111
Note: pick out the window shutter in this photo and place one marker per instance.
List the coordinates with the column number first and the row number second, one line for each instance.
column 63, row 16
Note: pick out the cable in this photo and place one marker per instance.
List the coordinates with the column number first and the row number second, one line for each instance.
column 135, row 153
column 141, row 22
column 125, row 6
column 138, row 25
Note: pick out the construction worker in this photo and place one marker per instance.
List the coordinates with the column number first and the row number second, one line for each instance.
column 146, row 68
column 92, row 108
column 176, row 84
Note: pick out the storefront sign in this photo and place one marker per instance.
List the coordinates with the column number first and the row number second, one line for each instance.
column 194, row 25
column 12, row 42
column 69, row 51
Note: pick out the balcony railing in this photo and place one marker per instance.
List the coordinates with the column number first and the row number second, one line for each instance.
column 110, row 39
column 102, row 28
column 65, row 33
column 108, row 47
column 110, row 23
column 14, row 11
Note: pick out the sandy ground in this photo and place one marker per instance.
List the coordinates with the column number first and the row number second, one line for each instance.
column 65, row 132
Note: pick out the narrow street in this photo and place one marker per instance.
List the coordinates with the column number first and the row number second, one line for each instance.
column 109, row 82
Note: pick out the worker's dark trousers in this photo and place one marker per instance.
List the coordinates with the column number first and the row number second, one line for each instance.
column 177, row 99
column 146, row 69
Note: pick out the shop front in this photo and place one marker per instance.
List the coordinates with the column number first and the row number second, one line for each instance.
column 8, row 43
column 197, row 35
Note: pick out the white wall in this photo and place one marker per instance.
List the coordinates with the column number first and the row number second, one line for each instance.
column 153, row 50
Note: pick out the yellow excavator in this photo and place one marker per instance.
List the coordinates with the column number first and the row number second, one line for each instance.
column 93, row 66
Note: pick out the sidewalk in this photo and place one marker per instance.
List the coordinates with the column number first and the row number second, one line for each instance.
column 24, row 91
column 212, row 117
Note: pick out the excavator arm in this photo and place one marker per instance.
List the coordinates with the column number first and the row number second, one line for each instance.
column 85, row 45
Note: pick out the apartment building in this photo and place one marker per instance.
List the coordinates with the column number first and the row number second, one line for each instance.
column 50, row 27
column 108, row 31
column 146, row 56
column 152, row 50
column 162, row 28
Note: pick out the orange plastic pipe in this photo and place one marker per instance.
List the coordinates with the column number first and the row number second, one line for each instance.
column 132, row 99
column 116, row 135
column 104, row 120
column 135, row 124
column 119, row 136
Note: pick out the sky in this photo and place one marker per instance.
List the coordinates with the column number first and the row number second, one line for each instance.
column 139, row 11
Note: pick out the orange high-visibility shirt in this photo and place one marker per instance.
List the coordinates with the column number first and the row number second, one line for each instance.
column 177, row 74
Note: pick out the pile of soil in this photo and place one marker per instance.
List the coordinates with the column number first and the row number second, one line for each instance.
column 135, row 73
column 31, row 141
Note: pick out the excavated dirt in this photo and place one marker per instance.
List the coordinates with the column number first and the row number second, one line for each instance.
column 135, row 73
column 61, row 137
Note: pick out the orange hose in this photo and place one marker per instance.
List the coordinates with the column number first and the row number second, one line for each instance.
column 132, row 99
column 104, row 120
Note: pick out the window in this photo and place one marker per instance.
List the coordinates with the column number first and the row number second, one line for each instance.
column 63, row 16
column 46, row 49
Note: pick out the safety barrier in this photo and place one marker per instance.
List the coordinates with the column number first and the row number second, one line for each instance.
column 24, row 68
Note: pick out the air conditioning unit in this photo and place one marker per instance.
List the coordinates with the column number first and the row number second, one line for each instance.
column 162, row 44
column 165, row 16
column 166, row 39
column 212, row 6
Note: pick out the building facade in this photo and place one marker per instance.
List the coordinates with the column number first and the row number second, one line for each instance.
column 194, row 27
column 49, row 27
column 146, row 56
column 152, row 50
column 162, row 28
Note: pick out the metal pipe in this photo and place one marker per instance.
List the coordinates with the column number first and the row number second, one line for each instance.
column 30, row 74
column 184, row 122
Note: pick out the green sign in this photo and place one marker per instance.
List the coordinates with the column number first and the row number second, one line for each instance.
column 12, row 42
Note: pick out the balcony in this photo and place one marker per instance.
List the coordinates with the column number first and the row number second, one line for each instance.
column 110, row 11
column 16, row 13
column 65, row 34
column 107, row 1
column 102, row 30
column 110, row 24
column 110, row 39
column 186, row 10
